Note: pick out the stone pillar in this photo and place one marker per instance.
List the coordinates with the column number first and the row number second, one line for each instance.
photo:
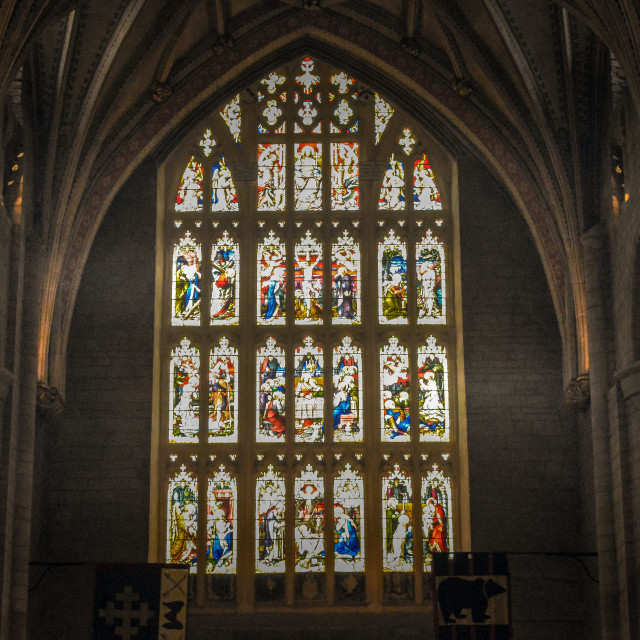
column 598, row 344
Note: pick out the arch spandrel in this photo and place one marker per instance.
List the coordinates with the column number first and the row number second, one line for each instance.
column 459, row 124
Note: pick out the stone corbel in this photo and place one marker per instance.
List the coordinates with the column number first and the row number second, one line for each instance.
column 576, row 396
column 49, row 401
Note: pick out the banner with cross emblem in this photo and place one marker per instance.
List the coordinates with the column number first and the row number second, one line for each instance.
column 145, row 602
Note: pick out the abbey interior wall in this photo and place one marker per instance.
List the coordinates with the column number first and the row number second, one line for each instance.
column 524, row 452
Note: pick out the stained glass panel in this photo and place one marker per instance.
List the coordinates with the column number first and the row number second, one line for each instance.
column 207, row 143
column 309, row 392
column 271, row 177
column 347, row 392
column 392, row 280
column 407, row 141
column 182, row 519
column 189, row 196
column 222, row 535
column 271, row 393
column 223, row 409
column 308, row 280
column 383, row 113
column 392, row 191
column 308, row 176
column 309, row 521
column 271, row 280
column 397, row 521
column 225, row 278
column 426, row 196
column 185, row 287
column 348, row 515
column 307, row 79
column 184, row 393
column 437, row 525
column 433, row 392
column 270, row 522
column 345, row 280
column 430, row 278
column 345, row 190
column 394, row 391
column 223, row 192
column 232, row 116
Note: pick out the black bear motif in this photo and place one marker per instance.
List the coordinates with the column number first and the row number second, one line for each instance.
column 456, row 594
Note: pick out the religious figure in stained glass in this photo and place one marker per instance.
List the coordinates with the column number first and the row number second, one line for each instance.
column 430, row 279
column 271, row 280
column 345, row 190
column 395, row 391
column 347, row 392
column 224, row 280
column 189, row 196
column 232, row 116
column 271, row 177
column 184, row 393
column 348, row 515
column 309, row 521
column 397, row 521
column 271, row 392
column 433, row 392
column 309, row 392
column 426, row 196
column 221, row 523
column 270, row 522
column 223, row 191
column 223, row 410
column 308, row 176
column 383, row 113
column 392, row 291
column 345, row 280
column 435, row 498
column 392, row 190
column 182, row 519
column 308, row 280
column 186, row 294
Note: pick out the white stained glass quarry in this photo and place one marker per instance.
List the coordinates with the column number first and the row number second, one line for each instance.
column 309, row 521
column 270, row 522
column 397, row 521
column 348, row 515
column 222, row 531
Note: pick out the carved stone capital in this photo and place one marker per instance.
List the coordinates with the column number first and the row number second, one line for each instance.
column 576, row 396
column 49, row 401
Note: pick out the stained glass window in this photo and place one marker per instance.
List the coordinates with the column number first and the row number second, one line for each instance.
column 271, row 177
column 433, row 391
column 392, row 191
column 345, row 280
column 271, row 381
column 347, row 392
column 182, row 519
column 271, row 280
column 225, row 274
column 282, row 215
column 397, row 521
column 425, row 193
column 309, row 392
column 308, row 280
column 270, row 522
column 392, row 280
column 223, row 191
column 348, row 516
column 223, row 410
column 395, row 391
column 222, row 528
column 436, row 515
column 345, row 192
column 189, row 196
column 309, row 521
column 187, row 256
column 184, row 405
column 430, row 279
